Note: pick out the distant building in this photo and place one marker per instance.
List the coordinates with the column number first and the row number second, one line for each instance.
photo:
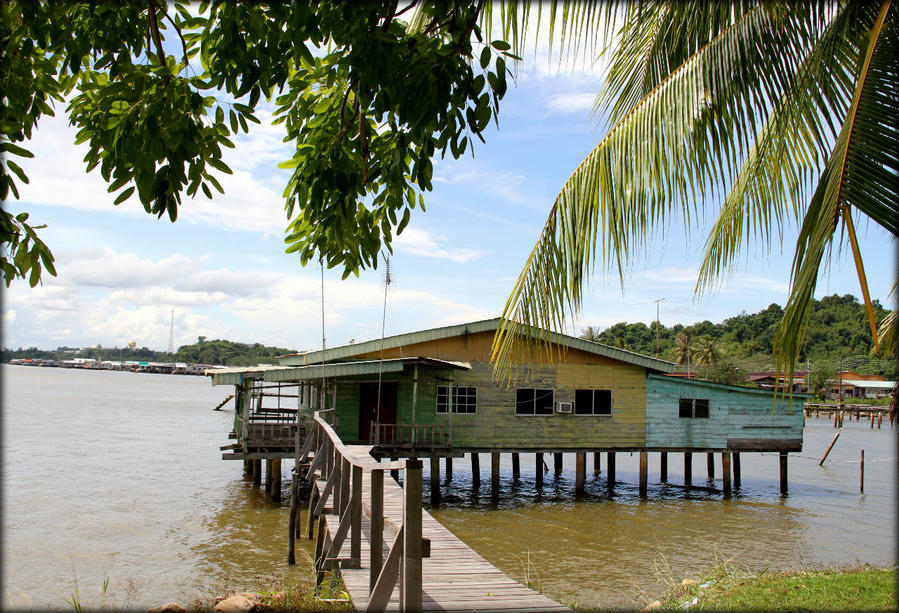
column 772, row 380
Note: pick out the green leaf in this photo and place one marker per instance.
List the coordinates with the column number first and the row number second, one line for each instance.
column 124, row 195
column 500, row 45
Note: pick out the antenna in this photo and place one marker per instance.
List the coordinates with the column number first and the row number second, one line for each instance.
column 387, row 281
column 658, row 328
column 172, row 334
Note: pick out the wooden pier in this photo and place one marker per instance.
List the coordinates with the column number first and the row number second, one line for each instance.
column 426, row 567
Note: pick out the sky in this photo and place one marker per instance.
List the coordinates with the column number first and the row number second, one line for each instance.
column 221, row 271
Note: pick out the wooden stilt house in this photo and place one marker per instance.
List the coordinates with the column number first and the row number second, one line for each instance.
column 433, row 393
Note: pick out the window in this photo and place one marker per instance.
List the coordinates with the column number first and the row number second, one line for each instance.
column 693, row 408
column 465, row 399
column 593, row 402
column 529, row 401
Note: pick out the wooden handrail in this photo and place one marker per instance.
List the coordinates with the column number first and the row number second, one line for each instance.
column 343, row 471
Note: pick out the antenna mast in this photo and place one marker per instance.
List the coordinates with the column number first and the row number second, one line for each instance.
column 658, row 328
column 172, row 334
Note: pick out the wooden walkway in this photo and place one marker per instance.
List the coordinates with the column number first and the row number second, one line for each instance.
column 454, row 577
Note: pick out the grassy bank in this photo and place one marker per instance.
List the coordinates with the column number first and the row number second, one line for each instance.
column 725, row 588
column 277, row 594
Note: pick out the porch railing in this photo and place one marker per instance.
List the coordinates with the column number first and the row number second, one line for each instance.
column 409, row 435
column 342, row 472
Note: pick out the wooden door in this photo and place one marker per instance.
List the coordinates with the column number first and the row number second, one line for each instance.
column 368, row 407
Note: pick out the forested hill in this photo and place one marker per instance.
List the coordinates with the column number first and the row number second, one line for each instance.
column 224, row 352
column 838, row 328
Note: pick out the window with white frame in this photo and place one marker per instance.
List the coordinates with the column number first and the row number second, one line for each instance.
column 464, row 399
column 693, row 408
column 531, row 401
column 593, row 402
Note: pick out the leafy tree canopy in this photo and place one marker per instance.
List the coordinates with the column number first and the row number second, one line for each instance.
column 367, row 100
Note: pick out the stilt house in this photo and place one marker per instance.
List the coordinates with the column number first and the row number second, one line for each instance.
column 432, row 393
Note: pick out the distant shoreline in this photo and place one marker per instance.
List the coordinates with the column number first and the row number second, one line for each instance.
column 164, row 368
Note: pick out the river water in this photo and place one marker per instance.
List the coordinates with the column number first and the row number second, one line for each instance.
column 116, row 478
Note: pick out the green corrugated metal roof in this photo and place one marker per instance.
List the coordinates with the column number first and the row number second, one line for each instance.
column 734, row 388
column 313, row 372
column 487, row 325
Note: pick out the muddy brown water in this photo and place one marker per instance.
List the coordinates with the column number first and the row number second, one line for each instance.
column 115, row 477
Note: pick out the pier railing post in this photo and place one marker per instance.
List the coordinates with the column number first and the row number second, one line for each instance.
column 356, row 515
column 377, row 526
column 411, row 581
column 345, row 476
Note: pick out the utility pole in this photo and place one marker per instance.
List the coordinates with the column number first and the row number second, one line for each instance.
column 172, row 335
column 658, row 328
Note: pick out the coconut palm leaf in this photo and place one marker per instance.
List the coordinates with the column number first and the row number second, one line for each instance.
column 752, row 107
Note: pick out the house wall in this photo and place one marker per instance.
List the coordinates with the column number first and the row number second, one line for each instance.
column 495, row 424
column 738, row 418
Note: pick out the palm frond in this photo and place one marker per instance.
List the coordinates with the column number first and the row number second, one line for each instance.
column 671, row 150
column 839, row 188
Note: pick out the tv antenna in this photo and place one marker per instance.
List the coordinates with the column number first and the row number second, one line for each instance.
column 172, row 334
column 658, row 328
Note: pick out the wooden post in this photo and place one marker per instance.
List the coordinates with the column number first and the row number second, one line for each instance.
column 337, row 492
column 494, row 473
column 688, row 469
column 395, row 474
column 449, row 469
column 247, row 467
column 516, row 467
column 313, row 501
column 736, row 463
column 268, row 475
column 872, row 421
column 725, row 472
column 861, row 476
column 276, row 480
column 829, row 447
column 644, row 468
column 879, row 419
column 835, row 418
column 377, row 526
column 580, row 472
column 257, row 472
column 557, row 463
column 475, row 469
column 610, row 470
column 710, row 463
column 411, row 591
column 346, row 475
column 292, row 521
column 663, row 476
column 783, row 473
column 435, row 480
column 538, row 469
column 596, row 463
column 356, row 514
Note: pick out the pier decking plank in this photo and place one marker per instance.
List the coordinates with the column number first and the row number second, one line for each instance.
column 454, row 577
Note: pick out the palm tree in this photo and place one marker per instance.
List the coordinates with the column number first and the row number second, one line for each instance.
column 767, row 113
column 683, row 350
column 706, row 353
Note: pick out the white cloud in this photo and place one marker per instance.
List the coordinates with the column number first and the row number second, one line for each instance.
column 573, row 102
column 423, row 243
column 103, row 267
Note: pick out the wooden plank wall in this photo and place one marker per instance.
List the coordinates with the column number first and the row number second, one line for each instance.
column 734, row 415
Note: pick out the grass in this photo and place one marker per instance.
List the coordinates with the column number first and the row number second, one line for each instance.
column 726, row 588
column 287, row 594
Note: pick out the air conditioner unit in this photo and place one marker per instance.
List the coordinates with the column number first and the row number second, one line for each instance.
column 563, row 407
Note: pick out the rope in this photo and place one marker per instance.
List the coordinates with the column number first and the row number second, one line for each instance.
column 807, row 457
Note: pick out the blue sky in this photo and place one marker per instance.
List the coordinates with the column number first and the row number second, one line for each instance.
column 222, row 268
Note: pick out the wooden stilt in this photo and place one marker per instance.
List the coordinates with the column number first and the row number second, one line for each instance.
column 494, row 473
column 688, row 469
column 257, row 472
column 538, row 469
column 710, row 463
column 736, row 464
column 610, row 468
column 663, row 471
column 394, row 474
column 861, row 476
column 557, row 461
column 275, row 489
column 725, row 473
column 475, row 470
column 580, row 472
column 783, row 473
column 879, row 420
column 516, row 467
column 292, row 521
column 247, row 467
column 644, row 467
column 435, row 480
column 310, row 518
column 597, row 468
column 268, row 475
column 449, row 469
